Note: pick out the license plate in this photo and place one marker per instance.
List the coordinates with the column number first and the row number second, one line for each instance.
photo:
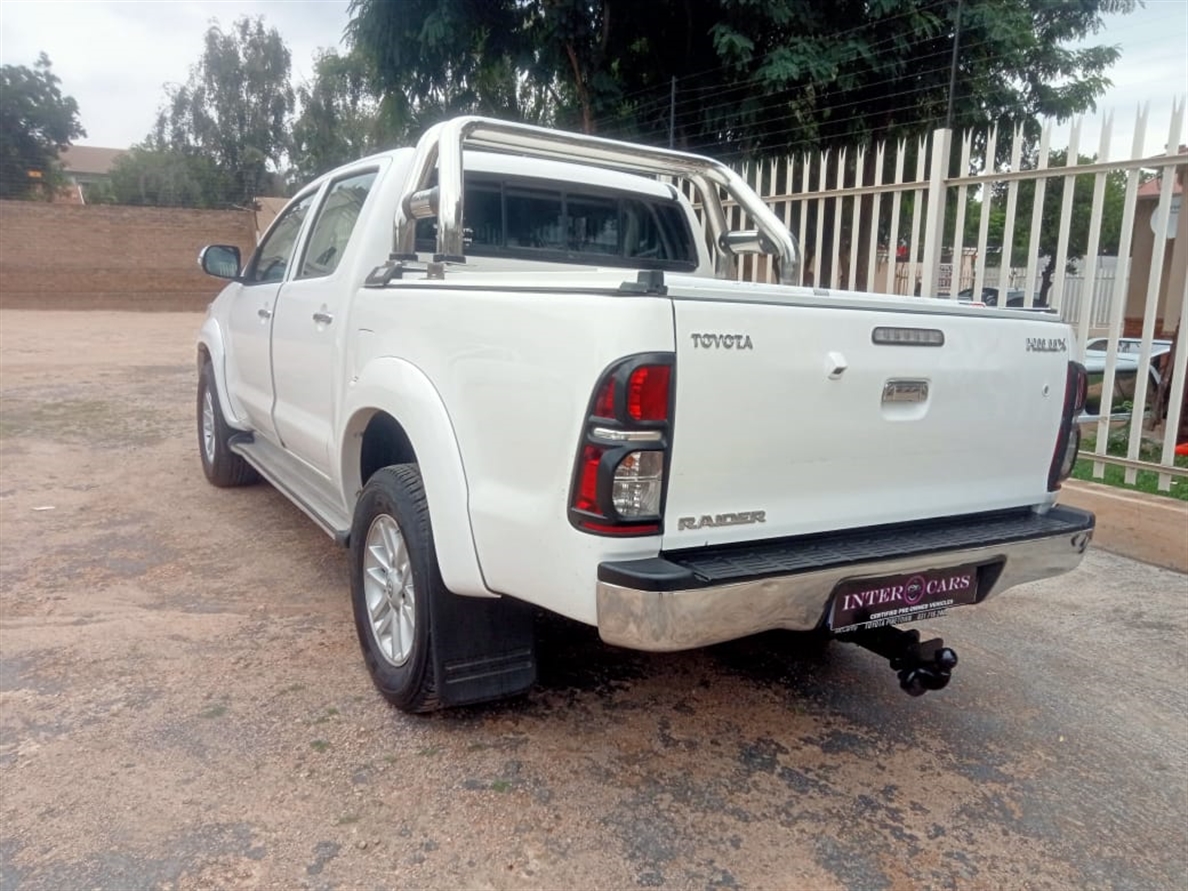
column 896, row 599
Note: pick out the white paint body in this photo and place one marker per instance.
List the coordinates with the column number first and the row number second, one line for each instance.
column 490, row 372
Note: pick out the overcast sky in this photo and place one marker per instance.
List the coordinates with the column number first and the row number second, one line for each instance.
column 115, row 56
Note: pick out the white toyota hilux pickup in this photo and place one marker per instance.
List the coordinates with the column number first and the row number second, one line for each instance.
column 511, row 369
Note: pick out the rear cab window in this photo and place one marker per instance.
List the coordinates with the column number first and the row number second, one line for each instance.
column 548, row 221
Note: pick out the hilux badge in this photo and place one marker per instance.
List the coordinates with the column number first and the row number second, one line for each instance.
column 1047, row 345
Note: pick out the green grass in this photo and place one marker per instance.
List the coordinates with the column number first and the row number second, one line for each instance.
column 319, row 745
column 1147, row 480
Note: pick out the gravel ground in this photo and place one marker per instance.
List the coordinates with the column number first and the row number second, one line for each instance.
column 183, row 704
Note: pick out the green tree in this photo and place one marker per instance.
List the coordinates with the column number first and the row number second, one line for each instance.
column 753, row 76
column 437, row 58
column 1077, row 224
column 167, row 178
column 341, row 118
column 234, row 110
column 1113, row 205
column 36, row 123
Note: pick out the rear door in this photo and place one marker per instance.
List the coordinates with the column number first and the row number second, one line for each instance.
column 791, row 419
column 249, row 355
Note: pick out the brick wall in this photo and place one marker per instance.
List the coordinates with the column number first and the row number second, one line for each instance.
column 57, row 256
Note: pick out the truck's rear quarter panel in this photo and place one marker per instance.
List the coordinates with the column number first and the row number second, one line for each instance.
column 516, row 368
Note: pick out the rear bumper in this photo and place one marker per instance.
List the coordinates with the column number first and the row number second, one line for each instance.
column 688, row 599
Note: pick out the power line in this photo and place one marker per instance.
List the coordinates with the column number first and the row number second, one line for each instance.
column 834, row 35
column 659, row 101
column 748, row 87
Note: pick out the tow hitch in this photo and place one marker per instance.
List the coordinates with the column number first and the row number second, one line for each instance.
column 921, row 666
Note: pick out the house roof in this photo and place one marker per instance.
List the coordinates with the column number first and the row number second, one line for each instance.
column 89, row 158
column 1150, row 189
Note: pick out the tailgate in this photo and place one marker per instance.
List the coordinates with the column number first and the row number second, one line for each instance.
column 790, row 419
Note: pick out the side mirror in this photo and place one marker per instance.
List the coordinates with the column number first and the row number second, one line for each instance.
column 746, row 241
column 220, row 260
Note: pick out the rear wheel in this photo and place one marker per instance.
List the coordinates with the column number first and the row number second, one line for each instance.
column 394, row 576
column 222, row 466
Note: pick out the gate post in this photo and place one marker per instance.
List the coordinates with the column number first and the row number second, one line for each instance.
column 934, row 221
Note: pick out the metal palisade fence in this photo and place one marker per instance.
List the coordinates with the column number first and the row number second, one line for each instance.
column 996, row 219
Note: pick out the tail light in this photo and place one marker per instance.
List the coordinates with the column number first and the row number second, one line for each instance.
column 619, row 478
column 1068, row 440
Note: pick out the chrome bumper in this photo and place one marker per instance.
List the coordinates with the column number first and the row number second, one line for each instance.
column 645, row 618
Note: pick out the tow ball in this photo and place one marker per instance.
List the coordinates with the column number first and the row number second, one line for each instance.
column 920, row 665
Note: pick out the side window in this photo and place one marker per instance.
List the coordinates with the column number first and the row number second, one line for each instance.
column 334, row 223
column 272, row 258
column 656, row 232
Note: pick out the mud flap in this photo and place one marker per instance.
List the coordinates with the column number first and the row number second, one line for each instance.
column 483, row 648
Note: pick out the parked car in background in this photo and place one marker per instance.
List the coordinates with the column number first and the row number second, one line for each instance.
column 1125, row 376
column 1130, row 346
column 1014, row 297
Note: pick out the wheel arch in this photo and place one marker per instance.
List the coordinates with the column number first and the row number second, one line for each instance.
column 394, row 415
column 210, row 348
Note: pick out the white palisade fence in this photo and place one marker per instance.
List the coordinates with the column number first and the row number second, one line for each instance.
column 864, row 224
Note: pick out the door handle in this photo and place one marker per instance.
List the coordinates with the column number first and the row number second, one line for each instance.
column 264, row 312
column 323, row 318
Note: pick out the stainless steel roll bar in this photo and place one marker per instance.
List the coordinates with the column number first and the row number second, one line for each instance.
column 442, row 147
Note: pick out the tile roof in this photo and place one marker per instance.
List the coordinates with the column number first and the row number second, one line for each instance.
column 1150, row 189
column 89, row 158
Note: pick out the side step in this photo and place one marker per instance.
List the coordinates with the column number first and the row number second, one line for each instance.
column 291, row 476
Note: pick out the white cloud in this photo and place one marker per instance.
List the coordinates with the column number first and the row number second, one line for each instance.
column 1153, row 70
column 115, row 57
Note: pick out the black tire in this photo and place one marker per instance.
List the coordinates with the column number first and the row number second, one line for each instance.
column 396, row 495
column 223, row 468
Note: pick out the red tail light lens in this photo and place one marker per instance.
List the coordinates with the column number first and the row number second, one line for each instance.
column 619, row 475
column 604, row 402
column 587, row 489
column 647, row 392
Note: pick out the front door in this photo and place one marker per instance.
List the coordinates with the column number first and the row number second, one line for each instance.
column 309, row 326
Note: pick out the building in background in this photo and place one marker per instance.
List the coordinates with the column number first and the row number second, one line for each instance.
column 84, row 166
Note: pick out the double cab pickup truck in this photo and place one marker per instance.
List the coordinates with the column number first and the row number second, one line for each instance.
column 512, row 369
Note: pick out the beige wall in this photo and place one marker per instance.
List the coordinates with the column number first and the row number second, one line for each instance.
column 56, row 256
column 1175, row 269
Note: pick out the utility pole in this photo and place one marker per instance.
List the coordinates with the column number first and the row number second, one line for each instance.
column 672, row 111
column 934, row 232
column 953, row 66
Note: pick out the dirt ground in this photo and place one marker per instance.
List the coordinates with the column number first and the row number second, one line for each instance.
column 183, row 703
